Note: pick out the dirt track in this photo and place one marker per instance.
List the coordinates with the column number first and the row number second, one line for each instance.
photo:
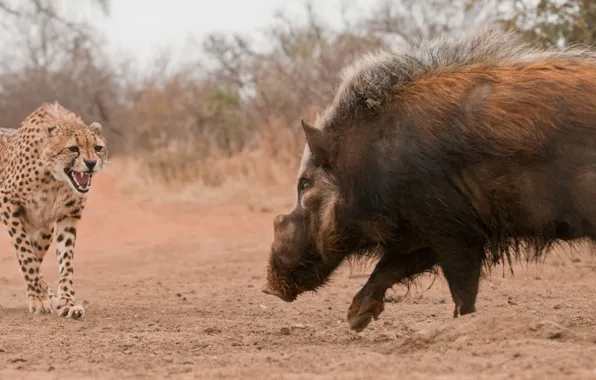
column 173, row 292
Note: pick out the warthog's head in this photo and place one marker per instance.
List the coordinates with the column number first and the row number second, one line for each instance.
column 309, row 242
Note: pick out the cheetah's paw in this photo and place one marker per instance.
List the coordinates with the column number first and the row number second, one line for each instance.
column 42, row 303
column 72, row 311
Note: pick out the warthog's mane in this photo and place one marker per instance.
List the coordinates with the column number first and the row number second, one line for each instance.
column 370, row 81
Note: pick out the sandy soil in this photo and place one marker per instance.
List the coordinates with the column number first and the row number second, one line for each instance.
column 173, row 292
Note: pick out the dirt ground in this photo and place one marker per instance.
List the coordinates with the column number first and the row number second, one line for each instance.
column 173, row 292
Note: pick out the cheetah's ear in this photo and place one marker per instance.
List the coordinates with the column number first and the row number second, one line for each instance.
column 52, row 129
column 96, row 127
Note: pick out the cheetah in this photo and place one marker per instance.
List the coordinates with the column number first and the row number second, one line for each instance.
column 46, row 168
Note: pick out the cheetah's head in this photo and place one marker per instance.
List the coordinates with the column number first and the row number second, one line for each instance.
column 75, row 153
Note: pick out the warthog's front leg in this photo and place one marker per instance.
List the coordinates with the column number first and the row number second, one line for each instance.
column 392, row 269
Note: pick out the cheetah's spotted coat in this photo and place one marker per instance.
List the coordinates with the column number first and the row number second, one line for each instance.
column 46, row 167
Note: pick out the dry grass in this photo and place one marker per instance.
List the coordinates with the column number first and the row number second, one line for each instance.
column 262, row 176
column 240, row 182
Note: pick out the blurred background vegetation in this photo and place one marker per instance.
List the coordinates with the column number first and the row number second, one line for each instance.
column 234, row 121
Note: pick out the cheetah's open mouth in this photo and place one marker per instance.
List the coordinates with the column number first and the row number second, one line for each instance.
column 80, row 180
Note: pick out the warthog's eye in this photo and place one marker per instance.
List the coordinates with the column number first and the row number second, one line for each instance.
column 303, row 184
column 74, row 149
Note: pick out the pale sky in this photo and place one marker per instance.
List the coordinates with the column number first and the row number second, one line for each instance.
column 145, row 27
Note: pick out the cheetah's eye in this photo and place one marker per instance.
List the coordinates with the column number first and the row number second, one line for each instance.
column 98, row 148
column 73, row 149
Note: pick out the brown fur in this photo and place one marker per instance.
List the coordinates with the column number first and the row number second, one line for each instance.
column 38, row 197
column 531, row 92
column 456, row 153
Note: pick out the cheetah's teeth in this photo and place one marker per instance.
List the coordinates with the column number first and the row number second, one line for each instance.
column 80, row 180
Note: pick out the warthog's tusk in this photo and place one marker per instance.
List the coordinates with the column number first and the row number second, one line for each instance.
column 267, row 290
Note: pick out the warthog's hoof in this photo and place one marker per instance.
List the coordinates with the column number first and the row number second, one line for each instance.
column 363, row 311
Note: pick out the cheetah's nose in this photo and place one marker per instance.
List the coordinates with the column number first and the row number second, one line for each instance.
column 91, row 164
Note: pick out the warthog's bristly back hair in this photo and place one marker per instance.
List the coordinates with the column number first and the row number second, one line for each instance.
column 369, row 81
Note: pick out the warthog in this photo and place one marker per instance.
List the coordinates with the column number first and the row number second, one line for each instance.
column 460, row 153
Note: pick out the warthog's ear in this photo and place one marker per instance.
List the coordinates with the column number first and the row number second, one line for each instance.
column 317, row 143
column 96, row 127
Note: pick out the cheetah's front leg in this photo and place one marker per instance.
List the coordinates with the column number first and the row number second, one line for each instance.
column 39, row 300
column 65, row 242
column 40, row 241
